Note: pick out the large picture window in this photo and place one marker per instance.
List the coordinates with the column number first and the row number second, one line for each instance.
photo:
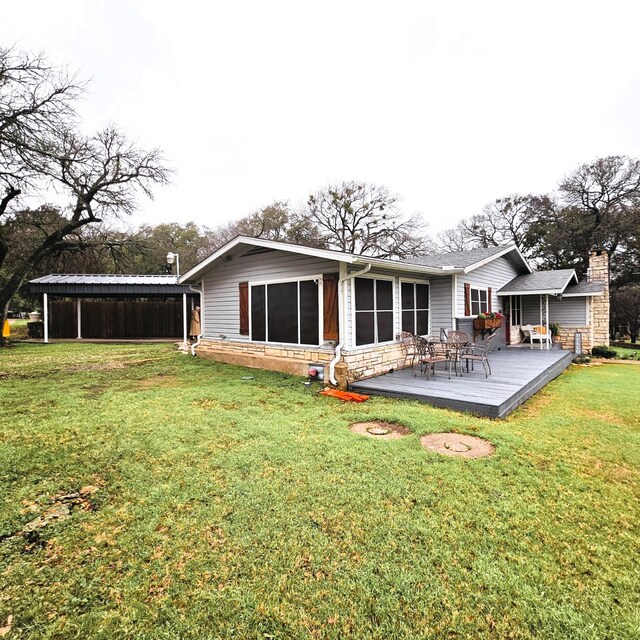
column 415, row 307
column 285, row 312
column 373, row 310
column 479, row 301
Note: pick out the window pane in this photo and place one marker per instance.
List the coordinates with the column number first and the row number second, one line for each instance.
column 384, row 294
column 483, row 297
column 422, row 321
column 407, row 295
column 257, row 313
column 308, row 312
column 422, row 296
column 385, row 326
column 475, row 308
column 408, row 322
column 282, row 302
column 364, row 294
column 364, row 327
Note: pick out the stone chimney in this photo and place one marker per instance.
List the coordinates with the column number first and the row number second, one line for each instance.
column 599, row 272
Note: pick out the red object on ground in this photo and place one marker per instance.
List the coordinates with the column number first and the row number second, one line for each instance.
column 347, row 396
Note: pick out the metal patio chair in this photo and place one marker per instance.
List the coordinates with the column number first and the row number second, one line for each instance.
column 434, row 352
column 478, row 352
column 411, row 347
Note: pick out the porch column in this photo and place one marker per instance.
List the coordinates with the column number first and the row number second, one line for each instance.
column 45, row 316
column 184, row 319
column 79, row 315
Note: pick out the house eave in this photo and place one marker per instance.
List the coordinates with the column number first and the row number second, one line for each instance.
column 195, row 274
column 507, row 249
column 516, row 292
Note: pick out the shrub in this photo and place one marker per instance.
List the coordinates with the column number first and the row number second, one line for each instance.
column 602, row 351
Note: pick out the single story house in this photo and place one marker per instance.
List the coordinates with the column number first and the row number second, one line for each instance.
column 282, row 306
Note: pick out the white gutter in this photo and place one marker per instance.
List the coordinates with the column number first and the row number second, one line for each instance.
column 341, row 319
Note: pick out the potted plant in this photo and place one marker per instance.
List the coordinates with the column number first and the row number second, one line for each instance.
column 555, row 332
column 490, row 320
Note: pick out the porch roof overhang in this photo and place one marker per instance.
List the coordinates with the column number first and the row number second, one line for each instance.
column 243, row 245
column 108, row 285
column 541, row 283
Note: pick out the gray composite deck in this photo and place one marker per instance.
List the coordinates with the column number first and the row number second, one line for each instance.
column 517, row 374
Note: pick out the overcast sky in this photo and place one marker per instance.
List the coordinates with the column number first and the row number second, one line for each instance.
column 448, row 104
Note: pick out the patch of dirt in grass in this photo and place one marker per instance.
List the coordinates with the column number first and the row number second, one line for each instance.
column 109, row 365
column 457, row 444
column 159, row 381
column 210, row 403
column 610, row 418
column 380, row 430
column 611, row 472
column 94, row 390
column 60, row 508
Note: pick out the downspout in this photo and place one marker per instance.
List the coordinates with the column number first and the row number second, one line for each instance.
column 342, row 321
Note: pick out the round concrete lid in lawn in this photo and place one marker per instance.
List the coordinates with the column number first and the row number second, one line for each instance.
column 380, row 430
column 457, row 444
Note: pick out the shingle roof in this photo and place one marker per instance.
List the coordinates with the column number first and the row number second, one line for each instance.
column 540, row 282
column 457, row 259
column 595, row 287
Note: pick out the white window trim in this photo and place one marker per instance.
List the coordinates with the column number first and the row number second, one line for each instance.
column 394, row 309
column 400, row 309
column 519, row 299
column 257, row 283
column 486, row 290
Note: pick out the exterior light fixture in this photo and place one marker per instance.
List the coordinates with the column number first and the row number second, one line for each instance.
column 171, row 258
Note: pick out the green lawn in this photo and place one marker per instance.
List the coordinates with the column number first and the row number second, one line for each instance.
column 234, row 508
column 631, row 352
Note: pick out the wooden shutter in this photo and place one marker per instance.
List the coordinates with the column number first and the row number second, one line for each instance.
column 467, row 299
column 244, row 308
column 489, row 290
column 330, row 303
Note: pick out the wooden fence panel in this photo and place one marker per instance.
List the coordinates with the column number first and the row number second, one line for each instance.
column 114, row 319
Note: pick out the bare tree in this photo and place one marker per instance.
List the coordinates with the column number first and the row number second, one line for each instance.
column 42, row 148
column 357, row 217
column 506, row 220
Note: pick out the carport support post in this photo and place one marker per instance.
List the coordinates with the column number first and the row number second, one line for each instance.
column 184, row 318
column 79, row 313
column 45, row 316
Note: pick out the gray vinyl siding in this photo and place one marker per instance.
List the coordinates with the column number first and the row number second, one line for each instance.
column 531, row 309
column 221, row 291
column 570, row 312
column 495, row 275
column 441, row 297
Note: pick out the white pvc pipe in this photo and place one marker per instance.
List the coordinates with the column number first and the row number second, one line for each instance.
column 342, row 321
column 45, row 306
column 184, row 318
column 79, row 316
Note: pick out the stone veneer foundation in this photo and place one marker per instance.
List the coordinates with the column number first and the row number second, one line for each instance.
column 285, row 358
column 354, row 365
